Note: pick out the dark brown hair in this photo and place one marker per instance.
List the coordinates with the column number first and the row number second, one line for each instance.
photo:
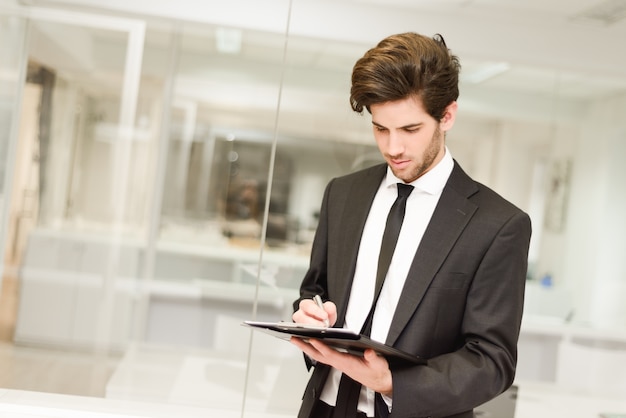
column 403, row 65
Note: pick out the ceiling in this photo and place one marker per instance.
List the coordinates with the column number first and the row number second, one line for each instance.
column 537, row 39
column 518, row 57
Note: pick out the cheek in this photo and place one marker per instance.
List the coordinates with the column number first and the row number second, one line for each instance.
column 422, row 142
column 416, row 144
column 381, row 141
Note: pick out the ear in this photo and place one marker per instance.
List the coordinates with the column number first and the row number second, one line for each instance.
column 449, row 116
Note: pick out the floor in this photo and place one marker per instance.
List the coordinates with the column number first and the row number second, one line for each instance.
column 177, row 377
column 43, row 369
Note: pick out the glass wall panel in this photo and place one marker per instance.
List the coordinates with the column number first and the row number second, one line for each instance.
column 11, row 49
column 319, row 138
column 221, row 91
column 12, row 36
column 78, row 206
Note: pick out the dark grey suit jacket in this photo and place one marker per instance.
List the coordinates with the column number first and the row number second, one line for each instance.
column 461, row 305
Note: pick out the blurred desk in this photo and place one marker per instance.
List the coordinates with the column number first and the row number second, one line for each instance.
column 545, row 400
column 80, row 289
column 546, row 345
column 273, row 379
column 24, row 404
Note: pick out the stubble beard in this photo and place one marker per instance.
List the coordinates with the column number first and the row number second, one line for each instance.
column 431, row 153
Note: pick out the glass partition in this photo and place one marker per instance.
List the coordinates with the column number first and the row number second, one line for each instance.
column 12, row 30
column 12, row 36
column 79, row 217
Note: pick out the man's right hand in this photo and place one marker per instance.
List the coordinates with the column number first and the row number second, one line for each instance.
column 310, row 313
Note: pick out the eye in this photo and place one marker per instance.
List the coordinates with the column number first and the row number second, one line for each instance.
column 411, row 130
column 380, row 128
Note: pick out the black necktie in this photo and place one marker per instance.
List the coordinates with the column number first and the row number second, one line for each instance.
column 348, row 394
column 387, row 247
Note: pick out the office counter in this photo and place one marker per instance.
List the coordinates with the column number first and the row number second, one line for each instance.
column 545, row 400
column 23, row 404
column 574, row 356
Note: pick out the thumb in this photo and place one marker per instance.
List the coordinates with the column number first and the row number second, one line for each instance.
column 370, row 355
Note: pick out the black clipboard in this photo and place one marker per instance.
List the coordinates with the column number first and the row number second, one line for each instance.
column 339, row 338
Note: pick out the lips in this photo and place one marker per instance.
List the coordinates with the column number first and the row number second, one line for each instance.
column 399, row 163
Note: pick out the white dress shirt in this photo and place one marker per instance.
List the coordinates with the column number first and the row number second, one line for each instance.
column 419, row 209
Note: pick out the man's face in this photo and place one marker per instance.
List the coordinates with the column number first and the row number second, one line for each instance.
column 410, row 140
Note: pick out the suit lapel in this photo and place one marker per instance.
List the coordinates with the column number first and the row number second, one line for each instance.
column 354, row 214
column 450, row 217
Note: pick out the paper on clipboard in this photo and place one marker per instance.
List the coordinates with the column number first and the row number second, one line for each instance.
column 339, row 338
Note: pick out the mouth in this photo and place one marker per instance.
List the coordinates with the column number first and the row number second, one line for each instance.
column 395, row 163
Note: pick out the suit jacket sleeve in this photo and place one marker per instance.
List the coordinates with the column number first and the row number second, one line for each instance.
column 315, row 280
column 484, row 363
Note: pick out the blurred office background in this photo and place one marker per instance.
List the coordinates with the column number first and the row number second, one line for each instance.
column 162, row 165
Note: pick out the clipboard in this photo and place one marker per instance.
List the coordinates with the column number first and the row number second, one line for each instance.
column 341, row 339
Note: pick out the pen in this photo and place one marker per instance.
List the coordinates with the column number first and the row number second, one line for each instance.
column 318, row 302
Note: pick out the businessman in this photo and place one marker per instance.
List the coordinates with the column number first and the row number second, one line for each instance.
column 453, row 290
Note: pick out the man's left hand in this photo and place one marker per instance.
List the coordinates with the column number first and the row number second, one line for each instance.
column 371, row 370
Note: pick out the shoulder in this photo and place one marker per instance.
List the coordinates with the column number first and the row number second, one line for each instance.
column 377, row 172
column 481, row 195
column 362, row 178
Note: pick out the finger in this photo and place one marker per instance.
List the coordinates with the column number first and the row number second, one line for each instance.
column 317, row 311
column 331, row 310
column 371, row 356
column 319, row 351
column 306, row 345
column 307, row 348
column 346, row 362
column 380, row 379
column 309, row 313
column 325, row 349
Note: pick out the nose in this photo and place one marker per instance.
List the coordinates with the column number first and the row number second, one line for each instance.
column 395, row 145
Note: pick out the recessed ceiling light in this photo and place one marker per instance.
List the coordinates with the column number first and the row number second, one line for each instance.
column 605, row 13
column 228, row 40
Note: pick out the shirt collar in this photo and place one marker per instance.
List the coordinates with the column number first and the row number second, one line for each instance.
column 433, row 181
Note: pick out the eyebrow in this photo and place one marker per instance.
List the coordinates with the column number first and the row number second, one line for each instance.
column 409, row 126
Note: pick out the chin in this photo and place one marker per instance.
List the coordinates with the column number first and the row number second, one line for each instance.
column 404, row 175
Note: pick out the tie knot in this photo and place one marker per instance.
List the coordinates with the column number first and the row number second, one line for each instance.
column 404, row 190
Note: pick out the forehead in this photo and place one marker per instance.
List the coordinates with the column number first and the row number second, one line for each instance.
column 401, row 112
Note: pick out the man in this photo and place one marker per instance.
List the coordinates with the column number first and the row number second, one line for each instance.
column 453, row 293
